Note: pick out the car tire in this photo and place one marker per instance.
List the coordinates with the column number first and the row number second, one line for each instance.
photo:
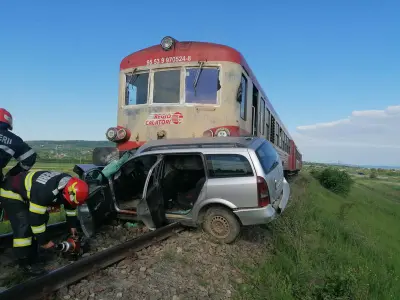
column 221, row 224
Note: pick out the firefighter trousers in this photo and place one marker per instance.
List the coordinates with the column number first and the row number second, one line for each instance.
column 17, row 210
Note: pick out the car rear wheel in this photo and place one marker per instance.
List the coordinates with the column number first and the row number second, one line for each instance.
column 221, row 224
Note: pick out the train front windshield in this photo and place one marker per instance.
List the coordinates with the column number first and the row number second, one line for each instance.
column 199, row 84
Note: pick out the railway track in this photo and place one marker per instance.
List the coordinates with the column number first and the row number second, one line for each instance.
column 42, row 287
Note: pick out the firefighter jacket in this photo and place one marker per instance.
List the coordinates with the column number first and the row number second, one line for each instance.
column 43, row 189
column 11, row 146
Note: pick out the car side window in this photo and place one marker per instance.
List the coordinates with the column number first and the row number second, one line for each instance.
column 228, row 165
column 141, row 163
column 268, row 157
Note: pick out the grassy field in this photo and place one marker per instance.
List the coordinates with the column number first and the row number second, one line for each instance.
column 61, row 167
column 330, row 247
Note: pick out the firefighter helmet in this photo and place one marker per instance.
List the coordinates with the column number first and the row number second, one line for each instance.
column 6, row 117
column 76, row 191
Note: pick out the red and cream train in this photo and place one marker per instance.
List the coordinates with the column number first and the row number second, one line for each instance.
column 193, row 89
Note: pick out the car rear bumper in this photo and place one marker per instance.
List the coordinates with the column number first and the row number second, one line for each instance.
column 256, row 216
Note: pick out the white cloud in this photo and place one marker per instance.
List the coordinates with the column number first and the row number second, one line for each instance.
column 365, row 137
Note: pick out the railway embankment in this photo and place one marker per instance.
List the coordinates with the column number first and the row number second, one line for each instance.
column 330, row 246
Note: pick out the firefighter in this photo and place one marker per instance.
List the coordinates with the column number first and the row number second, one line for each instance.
column 26, row 197
column 11, row 146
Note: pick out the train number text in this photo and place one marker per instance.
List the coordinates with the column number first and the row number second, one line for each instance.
column 167, row 60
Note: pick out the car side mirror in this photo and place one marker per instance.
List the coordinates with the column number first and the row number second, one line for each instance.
column 94, row 176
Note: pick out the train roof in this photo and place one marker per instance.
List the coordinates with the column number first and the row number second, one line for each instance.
column 199, row 51
column 200, row 142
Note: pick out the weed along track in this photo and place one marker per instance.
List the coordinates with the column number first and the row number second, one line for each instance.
column 107, row 248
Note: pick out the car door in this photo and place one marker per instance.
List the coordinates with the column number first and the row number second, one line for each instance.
column 99, row 207
column 150, row 209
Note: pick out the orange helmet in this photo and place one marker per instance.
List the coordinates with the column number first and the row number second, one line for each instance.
column 6, row 117
column 76, row 191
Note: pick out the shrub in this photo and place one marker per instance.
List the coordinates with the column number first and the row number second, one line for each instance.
column 335, row 180
column 315, row 172
column 373, row 175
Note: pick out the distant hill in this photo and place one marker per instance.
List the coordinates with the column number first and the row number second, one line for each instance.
column 67, row 150
column 354, row 166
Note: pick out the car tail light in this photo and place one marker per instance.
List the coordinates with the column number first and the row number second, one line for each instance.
column 263, row 193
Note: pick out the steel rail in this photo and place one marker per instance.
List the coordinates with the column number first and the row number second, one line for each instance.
column 43, row 286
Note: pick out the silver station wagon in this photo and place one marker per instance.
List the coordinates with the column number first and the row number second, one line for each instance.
column 220, row 184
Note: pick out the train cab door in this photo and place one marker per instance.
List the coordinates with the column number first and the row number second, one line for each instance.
column 254, row 112
column 150, row 209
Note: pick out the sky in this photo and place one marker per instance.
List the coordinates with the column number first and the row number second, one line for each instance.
column 330, row 68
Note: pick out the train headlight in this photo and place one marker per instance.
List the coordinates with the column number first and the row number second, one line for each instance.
column 167, row 43
column 208, row 133
column 222, row 132
column 111, row 133
column 121, row 134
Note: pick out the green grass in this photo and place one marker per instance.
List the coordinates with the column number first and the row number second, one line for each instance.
column 5, row 226
column 66, row 168
column 61, row 167
column 329, row 247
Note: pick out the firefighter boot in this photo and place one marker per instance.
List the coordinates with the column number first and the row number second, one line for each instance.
column 30, row 268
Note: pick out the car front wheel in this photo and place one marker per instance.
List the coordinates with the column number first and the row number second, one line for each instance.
column 221, row 224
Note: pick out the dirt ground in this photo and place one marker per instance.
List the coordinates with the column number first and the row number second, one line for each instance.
column 186, row 266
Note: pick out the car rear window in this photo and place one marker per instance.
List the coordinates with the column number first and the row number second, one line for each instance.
column 268, row 157
column 228, row 165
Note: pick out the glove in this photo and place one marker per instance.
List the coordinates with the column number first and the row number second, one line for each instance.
column 48, row 246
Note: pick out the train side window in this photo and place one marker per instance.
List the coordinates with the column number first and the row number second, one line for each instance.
column 272, row 135
column 136, row 89
column 267, row 122
column 207, row 85
column 283, row 141
column 286, row 143
column 242, row 97
column 262, row 117
column 277, row 134
column 167, row 86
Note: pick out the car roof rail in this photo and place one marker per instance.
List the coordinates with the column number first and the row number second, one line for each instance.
column 195, row 145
